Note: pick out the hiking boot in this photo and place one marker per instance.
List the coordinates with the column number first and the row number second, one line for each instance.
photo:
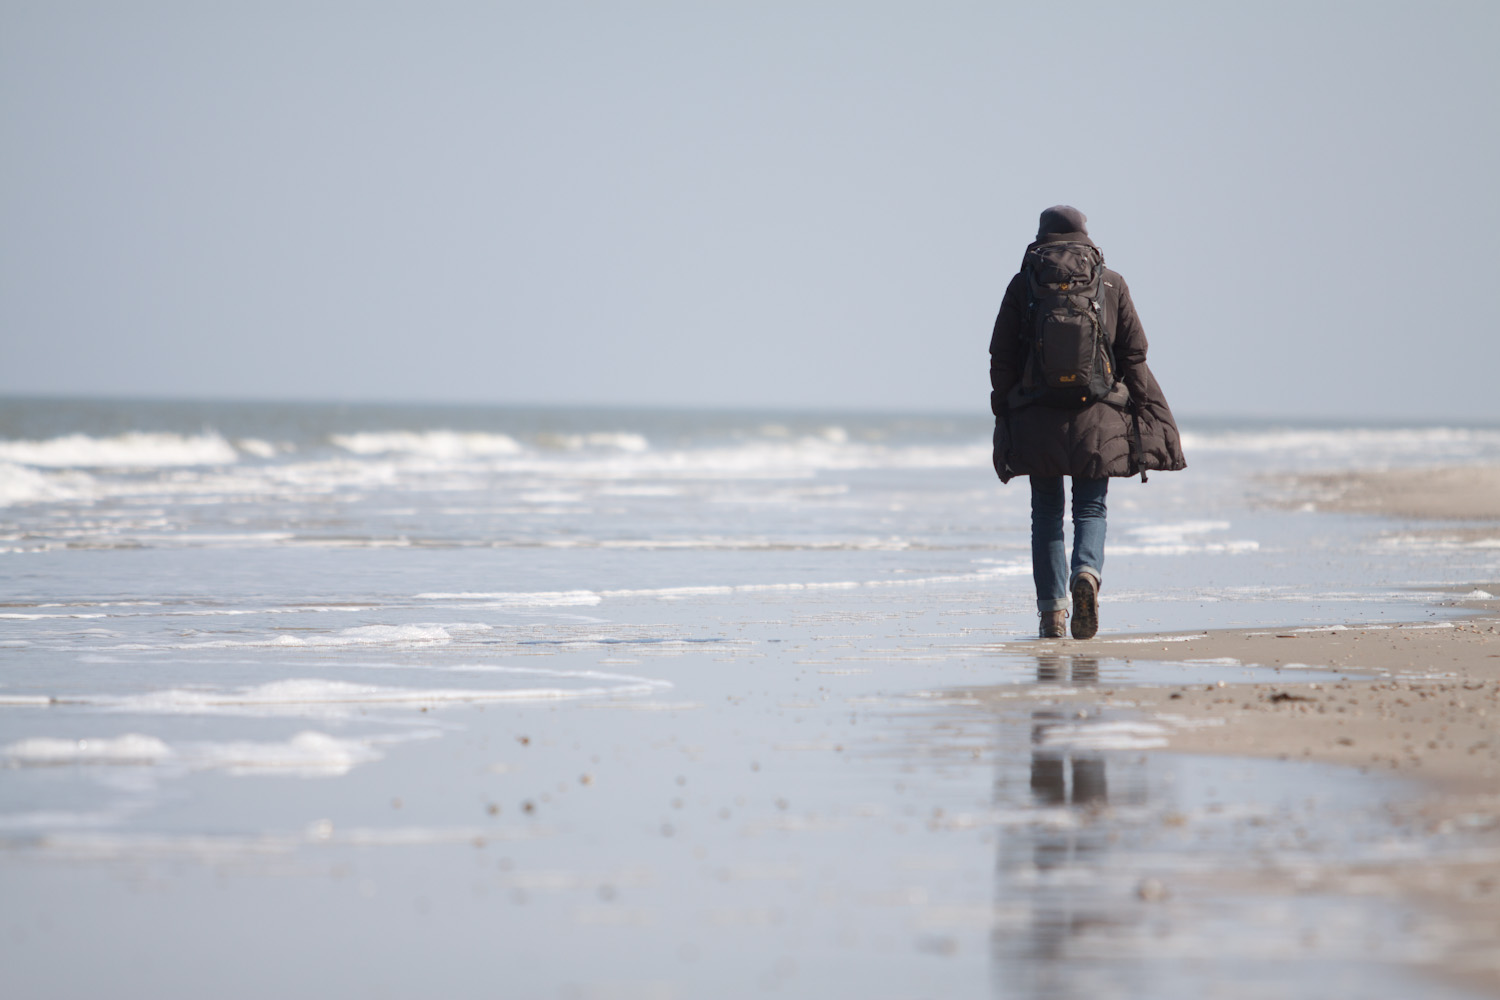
column 1054, row 624
column 1085, row 606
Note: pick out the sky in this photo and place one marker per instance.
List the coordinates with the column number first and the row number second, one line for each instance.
column 808, row 204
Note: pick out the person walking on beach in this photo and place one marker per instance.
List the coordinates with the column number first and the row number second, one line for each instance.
column 1072, row 396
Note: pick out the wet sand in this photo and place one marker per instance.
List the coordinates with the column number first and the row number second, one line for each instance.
column 1420, row 700
column 1423, row 698
column 1433, row 709
column 1470, row 493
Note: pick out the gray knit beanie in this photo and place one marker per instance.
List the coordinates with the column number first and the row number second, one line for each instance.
column 1062, row 219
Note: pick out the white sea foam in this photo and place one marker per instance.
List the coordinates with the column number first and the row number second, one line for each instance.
column 724, row 543
column 590, row 597
column 19, row 484
column 1181, row 538
column 136, row 450
column 1233, row 548
column 1379, row 446
column 257, row 447
column 539, row 599
column 431, row 444
column 360, row 635
column 101, row 604
column 750, row 461
column 308, row 754
column 431, row 460
column 132, row 748
column 105, row 846
column 618, row 440
column 641, row 491
column 673, row 593
column 326, row 698
column 156, row 611
column 1161, row 534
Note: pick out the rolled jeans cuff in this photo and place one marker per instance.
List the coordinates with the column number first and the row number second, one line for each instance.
column 1057, row 604
column 1091, row 571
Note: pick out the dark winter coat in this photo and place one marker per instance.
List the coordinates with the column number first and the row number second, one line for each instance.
column 1100, row 439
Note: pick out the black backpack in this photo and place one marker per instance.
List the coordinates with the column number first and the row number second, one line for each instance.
column 1069, row 363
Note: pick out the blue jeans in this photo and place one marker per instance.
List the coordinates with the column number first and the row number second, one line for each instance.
column 1049, row 553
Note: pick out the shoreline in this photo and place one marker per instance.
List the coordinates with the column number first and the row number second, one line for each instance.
column 1402, row 679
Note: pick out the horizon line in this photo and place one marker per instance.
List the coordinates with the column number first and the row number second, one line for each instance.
column 976, row 413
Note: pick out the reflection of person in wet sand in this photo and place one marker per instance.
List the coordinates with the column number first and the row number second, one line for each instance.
column 1049, row 778
column 1072, row 396
column 1058, row 902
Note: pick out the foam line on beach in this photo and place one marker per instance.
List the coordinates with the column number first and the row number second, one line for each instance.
column 1181, row 538
column 132, row 748
column 590, row 597
column 307, row 754
column 538, row 599
column 302, row 696
column 99, row 846
column 1234, row 548
column 359, row 635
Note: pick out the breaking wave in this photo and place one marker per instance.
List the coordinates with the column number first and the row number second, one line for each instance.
column 432, row 444
column 1373, row 446
column 135, row 450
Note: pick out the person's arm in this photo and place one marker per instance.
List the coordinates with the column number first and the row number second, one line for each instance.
column 1157, row 443
column 1007, row 350
column 1130, row 346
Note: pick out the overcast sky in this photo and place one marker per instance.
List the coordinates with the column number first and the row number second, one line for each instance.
column 809, row 204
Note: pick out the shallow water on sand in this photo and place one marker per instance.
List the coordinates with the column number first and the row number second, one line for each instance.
column 488, row 702
column 806, row 799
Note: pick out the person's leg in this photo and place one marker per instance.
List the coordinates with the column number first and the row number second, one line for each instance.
column 1088, row 554
column 1089, row 513
column 1049, row 556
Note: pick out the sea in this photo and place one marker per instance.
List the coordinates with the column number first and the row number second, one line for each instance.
column 589, row 702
